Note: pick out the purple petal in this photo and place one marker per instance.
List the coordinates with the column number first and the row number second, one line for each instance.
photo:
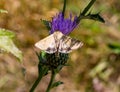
column 59, row 23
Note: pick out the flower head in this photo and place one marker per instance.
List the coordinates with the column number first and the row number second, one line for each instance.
column 52, row 61
column 64, row 25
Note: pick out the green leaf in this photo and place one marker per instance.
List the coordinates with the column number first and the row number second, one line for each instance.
column 4, row 32
column 115, row 47
column 56, row 84
column 3, row 11
column 42, row 69
column 7, row 44
column 84, row 14
column 85, row 10
column 96, row 17
column 47, row 24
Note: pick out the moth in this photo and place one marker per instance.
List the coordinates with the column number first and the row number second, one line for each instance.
column 58, row 43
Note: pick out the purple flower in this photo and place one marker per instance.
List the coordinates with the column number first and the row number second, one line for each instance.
column 59, row 23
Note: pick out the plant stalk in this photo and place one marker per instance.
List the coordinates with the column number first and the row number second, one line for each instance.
column 64, row 7
column 36, row 83
column 51, row 81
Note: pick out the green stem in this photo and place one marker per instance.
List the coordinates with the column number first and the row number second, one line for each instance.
column 51, row 81
column 36, row 83
column 64, row 7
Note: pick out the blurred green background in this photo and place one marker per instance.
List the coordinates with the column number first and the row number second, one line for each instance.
column 93, row 68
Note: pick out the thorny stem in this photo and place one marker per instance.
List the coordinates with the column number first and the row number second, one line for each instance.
column 51, row 81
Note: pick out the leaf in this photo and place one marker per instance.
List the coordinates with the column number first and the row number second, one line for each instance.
column 4, row 32
column 96, row 17
column 3, row 11
column 46, row 23
column 42, row 69
column 85, row 10
column 6, row 43
column 115, row 47
column 56, row 84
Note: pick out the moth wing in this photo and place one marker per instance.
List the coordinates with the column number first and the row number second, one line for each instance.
column 68, row 44
column 47, row 44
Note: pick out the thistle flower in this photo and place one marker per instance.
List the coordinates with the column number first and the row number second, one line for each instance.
column 52, row 61
column 53, row 44
column 65, row 25
column 56, row 47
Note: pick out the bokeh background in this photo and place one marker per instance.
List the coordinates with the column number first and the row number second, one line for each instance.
column 93, row 68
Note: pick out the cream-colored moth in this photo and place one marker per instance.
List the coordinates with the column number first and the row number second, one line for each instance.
column 58, row 42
